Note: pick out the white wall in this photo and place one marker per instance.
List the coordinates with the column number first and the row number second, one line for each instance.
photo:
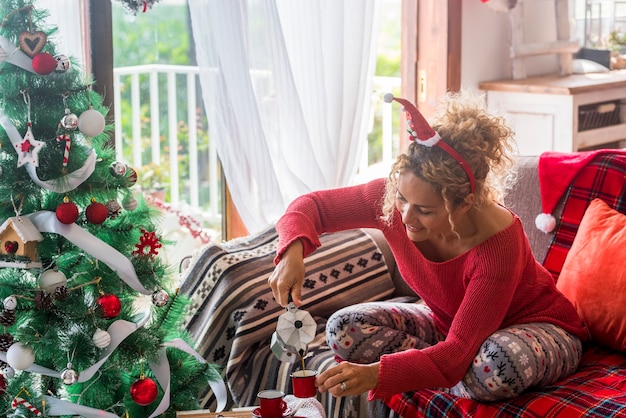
column 486, row 40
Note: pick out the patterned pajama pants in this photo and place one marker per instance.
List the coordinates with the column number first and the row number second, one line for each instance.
column 510, row 361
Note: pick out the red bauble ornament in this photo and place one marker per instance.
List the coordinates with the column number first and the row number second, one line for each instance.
column 144, row 391
column 67, row 212
column 108, row 306
column 96, row 212
column 131, row 177
column 44, row 63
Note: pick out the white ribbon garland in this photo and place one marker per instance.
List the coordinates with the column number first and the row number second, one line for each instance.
column 57, row 407
column 218, row 387
column 119, row 331
column 46, row 221
column 15, row 56
column 161, row 370
column 61, row 184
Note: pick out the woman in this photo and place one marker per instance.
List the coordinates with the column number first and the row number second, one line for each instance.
column 491, row 323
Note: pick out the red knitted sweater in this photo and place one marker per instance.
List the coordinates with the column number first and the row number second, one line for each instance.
column 496, row 284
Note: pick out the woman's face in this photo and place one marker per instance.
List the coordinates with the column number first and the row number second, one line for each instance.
column 422, row 208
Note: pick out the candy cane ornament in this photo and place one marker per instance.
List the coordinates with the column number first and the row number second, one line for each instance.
column 17, row 401
column 68, row 144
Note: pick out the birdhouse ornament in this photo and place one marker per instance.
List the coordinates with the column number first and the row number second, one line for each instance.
column 18, row 243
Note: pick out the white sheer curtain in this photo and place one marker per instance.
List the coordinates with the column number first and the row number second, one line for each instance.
column 69, row 16
column 287, row 89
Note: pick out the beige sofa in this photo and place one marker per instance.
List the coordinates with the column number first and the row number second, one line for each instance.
column 233, row 314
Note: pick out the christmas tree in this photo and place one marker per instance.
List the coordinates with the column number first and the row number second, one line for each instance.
column 91, row 320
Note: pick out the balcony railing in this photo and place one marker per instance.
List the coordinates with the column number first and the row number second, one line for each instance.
column 161, row 132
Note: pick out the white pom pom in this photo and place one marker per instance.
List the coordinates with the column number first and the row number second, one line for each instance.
column 388, row 97
column 545, row 222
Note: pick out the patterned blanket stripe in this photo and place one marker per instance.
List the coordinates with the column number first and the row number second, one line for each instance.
column 598, row 388
column 233, row 314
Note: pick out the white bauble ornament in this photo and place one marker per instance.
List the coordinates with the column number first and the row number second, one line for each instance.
column 10, row 303
column 101, row 338
column 20, row 357
column 91, row 122
column 51, row 279
column 129, row 203
column 63, row 63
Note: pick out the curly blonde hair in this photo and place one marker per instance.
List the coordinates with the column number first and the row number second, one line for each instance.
column 482, row 139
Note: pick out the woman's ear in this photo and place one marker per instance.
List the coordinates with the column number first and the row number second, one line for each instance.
column 467, row 203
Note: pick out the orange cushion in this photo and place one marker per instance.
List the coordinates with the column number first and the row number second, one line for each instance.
column 593, row 277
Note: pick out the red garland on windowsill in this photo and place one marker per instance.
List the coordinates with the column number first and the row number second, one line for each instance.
column 194, row 227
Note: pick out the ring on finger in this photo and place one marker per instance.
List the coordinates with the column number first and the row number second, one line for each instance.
column 343, row 386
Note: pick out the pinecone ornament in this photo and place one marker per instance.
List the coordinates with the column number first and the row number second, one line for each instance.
column 7, row 318
column 61, row 293
column 6, row 341
column 113, row 209
column 43, row 300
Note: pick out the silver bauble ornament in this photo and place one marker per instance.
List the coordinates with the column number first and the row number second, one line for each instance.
column 160, row 298
column 10, row 303
column 117, row 168
column 69, row 121
column 69, row 375
column 91, row 122
column 8, row 372
column 63, row 63
column 101, row 338
column 50, row 279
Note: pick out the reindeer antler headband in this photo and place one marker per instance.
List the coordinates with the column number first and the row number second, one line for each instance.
column 425, row 135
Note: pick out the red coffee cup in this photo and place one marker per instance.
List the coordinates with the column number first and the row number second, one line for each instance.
column 303, row 383
column 271, row 403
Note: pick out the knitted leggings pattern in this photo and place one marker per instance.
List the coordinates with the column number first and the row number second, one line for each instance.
column 509, row 361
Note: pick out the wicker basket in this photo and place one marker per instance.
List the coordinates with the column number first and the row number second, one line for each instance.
column 598, row 115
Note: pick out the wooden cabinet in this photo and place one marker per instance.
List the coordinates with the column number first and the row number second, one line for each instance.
column 561, row 113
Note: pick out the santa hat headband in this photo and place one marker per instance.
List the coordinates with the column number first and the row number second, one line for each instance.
column 422, row 133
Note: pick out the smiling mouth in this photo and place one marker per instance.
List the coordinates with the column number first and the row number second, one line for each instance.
column 413, row 229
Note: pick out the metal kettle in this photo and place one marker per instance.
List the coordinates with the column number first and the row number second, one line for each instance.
column 294, row 331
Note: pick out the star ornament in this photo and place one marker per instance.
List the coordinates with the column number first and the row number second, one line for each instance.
column 28, row 149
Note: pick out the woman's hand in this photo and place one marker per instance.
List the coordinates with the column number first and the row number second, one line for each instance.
column 288, row 276
column 348, row 379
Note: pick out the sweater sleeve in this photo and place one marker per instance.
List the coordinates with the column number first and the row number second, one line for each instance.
column 490, row 280
column 313, row 214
